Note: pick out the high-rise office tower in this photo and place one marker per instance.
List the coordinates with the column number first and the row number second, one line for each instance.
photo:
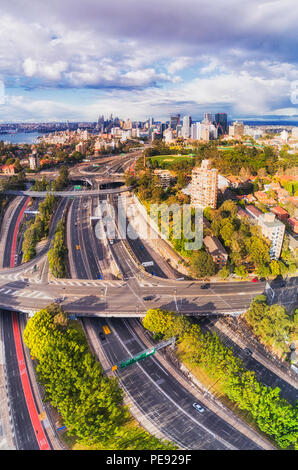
column 186, row 128
column 128, row 124
column 174, row 121
column 221, row 122
column 100, row 123
column 151, row 121
column 207, row 118
column 204, row 186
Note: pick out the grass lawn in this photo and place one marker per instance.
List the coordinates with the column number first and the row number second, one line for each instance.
column 168, row 160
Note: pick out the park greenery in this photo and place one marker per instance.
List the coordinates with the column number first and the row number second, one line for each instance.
column 229, row 160
column 247, row 249
column 14, row 182
column 273, row 415
column 273, row 326
column 58, row 252
column 58, row 184
column 39, row 228
column 90, row 403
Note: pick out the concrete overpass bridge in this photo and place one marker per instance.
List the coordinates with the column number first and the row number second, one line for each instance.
column 84, row 193
column 26, row 292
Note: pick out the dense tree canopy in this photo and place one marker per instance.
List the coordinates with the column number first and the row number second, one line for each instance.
column 90, row 403
column 272, row 414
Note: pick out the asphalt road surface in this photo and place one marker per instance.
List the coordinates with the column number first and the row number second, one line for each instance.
column 163, row 399
column 24, row 433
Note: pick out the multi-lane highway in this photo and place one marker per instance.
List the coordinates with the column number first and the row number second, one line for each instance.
column 93, row 291
column 161, row 397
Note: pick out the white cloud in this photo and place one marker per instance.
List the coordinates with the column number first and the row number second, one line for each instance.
column 246, row 49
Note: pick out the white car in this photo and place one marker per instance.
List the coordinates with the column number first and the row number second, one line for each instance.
column 198, row 407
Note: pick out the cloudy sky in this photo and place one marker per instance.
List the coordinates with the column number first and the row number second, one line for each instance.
column 75, row 59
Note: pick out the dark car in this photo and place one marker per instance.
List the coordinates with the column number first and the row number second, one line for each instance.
column 248, row 351
column 102, row 336
column 148, row 297
column 204, row 286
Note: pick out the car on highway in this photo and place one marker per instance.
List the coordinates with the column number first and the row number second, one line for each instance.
column 102, row 336
column 153, row 273
column 198, row 407
column 248, row 351
column 148, row 297
column 255, row 279
column 204, row 286
column 77, row 247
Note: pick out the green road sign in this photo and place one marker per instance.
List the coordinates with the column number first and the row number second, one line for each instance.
column 137, row 358
column 77, row 187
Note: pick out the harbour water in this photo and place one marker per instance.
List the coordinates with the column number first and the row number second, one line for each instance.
column 20, row 137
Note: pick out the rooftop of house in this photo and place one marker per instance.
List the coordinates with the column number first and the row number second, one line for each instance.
column 253, row 211
column 279, row 211
column 214, row 246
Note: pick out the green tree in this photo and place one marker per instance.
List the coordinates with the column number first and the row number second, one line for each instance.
column 202, row 264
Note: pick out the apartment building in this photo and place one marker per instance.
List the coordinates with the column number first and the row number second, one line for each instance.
column 274, row 230
column 293, row 223
column 165, row 177
column 204, row 186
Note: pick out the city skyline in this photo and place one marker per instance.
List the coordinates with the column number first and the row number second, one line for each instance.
column 137, row 60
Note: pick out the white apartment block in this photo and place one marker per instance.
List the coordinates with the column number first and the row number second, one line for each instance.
column 274, row 230
column 165, row 177
column 168, row 136
column 204, row 186
column 236, row 129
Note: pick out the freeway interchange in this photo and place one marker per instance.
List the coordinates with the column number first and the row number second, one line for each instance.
column 161, row 398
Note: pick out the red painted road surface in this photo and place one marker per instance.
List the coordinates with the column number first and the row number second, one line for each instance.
column 40, row 435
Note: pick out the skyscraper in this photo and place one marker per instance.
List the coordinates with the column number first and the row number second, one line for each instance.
column 174, row 121
column 204, row 186
column 207, row 118
column 186, row 127
column 100, row 124
column 221, row 122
